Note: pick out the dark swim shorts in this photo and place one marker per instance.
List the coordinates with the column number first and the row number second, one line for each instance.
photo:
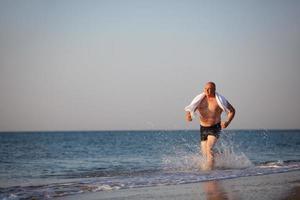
column 210, row 130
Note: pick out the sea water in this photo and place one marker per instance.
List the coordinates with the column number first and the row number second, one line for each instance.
column 55, row 164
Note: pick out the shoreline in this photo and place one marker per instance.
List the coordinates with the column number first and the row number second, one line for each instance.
column 281, row 186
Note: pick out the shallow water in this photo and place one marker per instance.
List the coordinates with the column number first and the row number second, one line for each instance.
column 53, row 164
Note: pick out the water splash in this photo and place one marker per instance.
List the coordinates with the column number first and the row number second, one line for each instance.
column 227, row 156
column 183, row 161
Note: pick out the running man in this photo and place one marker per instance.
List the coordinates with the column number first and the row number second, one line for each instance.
column 210, row 105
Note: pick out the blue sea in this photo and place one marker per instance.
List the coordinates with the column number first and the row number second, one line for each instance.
column 41, row 165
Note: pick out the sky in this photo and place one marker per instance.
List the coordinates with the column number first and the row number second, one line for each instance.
column 135, row 64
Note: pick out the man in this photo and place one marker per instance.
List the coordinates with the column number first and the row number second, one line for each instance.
column 210, row 105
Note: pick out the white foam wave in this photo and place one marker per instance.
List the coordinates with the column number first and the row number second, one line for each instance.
column 155, row 179
column 100, row 187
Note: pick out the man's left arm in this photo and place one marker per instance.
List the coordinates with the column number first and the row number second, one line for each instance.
column 230, row 116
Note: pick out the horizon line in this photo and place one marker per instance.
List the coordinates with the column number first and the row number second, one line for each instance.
column 137, row 130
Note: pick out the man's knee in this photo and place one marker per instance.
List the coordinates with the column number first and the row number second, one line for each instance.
column 210, row 152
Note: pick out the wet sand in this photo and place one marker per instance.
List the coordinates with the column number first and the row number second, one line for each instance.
column 280, row 186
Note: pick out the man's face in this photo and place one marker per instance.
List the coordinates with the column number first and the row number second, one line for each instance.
column 209, row 90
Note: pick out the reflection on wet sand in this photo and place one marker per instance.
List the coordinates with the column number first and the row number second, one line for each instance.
column 214, row 191
column 294, row 193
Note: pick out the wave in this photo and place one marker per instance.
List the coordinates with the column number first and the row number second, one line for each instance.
column 105, row 172
column 146, row 179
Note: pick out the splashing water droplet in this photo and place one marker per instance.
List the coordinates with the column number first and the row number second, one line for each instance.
column 226, row 157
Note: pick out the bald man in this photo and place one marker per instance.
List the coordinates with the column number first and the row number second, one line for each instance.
column 210, row 122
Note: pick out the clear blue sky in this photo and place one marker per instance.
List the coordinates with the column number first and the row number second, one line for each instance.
column 111, row 65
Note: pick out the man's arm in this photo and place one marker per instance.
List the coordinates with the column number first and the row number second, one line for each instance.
column 188, row 116
column 230, row 116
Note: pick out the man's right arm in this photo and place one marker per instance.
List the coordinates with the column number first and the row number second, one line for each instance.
column 188, row 116
column 230, row 116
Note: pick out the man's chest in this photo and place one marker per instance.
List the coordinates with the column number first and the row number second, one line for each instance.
column 209, row 105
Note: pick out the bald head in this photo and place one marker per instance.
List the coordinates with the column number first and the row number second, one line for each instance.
column 211, row 83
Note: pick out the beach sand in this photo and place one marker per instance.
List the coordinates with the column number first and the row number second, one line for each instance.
column 280, row 186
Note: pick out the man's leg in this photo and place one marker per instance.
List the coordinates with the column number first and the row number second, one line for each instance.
column 204, row 154
column 203, row 148
column 211, row 141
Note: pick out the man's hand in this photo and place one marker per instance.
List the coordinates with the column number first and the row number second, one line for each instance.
column 224, row 124
column 188, row 116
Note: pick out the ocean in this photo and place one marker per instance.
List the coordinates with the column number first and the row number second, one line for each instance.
column 41, row 165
